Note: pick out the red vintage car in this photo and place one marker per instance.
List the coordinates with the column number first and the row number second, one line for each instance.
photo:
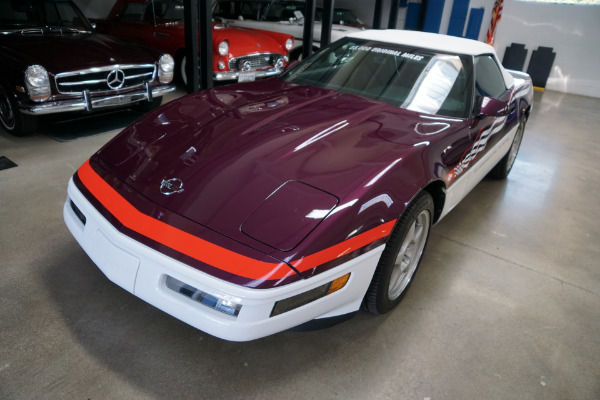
column 238, row 53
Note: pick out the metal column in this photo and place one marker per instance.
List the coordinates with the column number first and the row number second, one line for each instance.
column 206, row 46
column 377, row 15
column 198, row 24
column 190, row 19
column 309, row 22
column 393, row 21
column 326, row 23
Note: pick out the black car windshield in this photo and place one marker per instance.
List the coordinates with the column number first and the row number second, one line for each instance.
column 414, row 79
column 168, row 11
column 340, row 16
column 23, row 15
column 284, row 10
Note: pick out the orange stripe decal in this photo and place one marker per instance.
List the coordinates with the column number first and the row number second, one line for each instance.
column 208, row 252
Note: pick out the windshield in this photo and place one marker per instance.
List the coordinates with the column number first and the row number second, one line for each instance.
column 40, row 14
column 168, row 11
column 284, row 10
column 340, row 16
column 417, row 80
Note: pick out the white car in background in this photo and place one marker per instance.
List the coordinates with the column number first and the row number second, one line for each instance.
column 277, row 16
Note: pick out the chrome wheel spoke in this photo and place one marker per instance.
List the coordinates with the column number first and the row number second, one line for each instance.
column 409, row 255
column 514, row 149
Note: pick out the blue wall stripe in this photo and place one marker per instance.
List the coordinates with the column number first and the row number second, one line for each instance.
column 433, row 16
column 412, row 16
column 458, row 17
column 474, row 25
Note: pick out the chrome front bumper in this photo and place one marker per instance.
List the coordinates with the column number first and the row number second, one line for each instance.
column 234, row 75
column 87, row 103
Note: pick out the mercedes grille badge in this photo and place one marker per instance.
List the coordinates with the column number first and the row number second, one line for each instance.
column 115, row 79
column 170, row 186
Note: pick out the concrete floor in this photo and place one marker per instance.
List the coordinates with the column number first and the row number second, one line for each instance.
column 506, row 304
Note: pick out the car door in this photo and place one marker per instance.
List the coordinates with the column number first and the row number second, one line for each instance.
column 474, row 154
column 166, row 18
column 487, row 130
column 136, row 23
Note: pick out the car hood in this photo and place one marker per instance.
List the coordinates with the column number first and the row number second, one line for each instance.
column 73, row 51
column 244, row 41
column 231, row 148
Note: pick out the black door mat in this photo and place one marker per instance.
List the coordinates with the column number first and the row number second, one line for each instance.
column 5, row 163
column 90, row 125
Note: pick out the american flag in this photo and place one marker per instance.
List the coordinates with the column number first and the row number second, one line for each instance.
column 496, row 14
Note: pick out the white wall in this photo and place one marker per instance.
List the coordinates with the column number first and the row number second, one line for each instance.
column 573, row 31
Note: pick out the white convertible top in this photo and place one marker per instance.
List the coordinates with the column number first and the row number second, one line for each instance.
column 433, row 41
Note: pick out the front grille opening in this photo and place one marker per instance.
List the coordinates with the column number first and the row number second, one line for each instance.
column 255, row 62
column 78, row 212
column 105, row 78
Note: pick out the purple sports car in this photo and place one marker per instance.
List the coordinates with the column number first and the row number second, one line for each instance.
column 291, row 202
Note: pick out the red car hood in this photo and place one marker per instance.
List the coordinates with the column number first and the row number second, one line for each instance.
column 246, row 41
column 70, row 52
column 233, row 147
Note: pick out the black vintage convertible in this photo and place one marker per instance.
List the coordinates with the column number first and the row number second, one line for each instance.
column 52, row 61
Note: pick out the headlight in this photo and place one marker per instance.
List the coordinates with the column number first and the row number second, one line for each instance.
column 289, row 44
column 223, row 48
column 279, row 63
column 227, row 306
column 166, row 66
column 38, row 83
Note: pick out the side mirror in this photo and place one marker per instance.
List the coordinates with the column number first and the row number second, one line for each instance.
column 488, row 106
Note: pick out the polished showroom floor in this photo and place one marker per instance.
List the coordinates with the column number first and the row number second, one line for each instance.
column 506, row 304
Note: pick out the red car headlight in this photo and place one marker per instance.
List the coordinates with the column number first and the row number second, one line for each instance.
column 289, row 44
column 223, row 48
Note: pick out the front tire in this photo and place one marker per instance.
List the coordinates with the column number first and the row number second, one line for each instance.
column 182, row 69
column 13, row 121
column 401, row 256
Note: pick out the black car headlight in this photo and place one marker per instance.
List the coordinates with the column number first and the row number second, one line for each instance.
column 166, row 66
column 37, row 82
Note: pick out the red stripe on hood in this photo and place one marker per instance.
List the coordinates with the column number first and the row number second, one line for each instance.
column 210, row 253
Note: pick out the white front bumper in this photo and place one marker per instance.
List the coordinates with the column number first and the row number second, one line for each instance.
column 144, row 271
